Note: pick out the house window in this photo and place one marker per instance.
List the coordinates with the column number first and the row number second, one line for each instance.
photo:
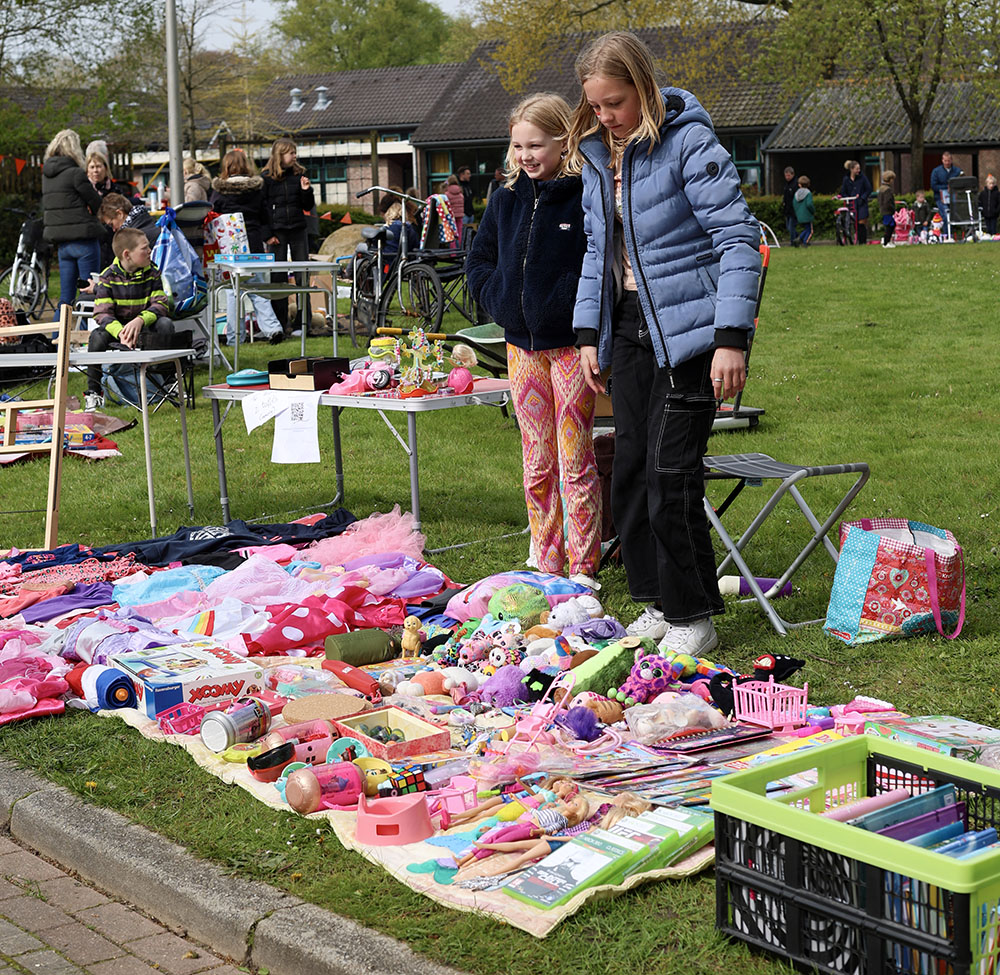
column 745, row 151
column 438, row 167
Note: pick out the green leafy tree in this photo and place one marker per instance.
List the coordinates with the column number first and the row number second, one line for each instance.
column 898, row 49
column 339, row 35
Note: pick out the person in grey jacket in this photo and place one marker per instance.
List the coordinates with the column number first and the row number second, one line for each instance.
column 70, row 204
column 666, row 298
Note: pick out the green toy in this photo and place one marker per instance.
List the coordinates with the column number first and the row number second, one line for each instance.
column 519, row 602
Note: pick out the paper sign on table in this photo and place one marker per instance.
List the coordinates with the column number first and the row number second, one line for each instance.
column 296, row 431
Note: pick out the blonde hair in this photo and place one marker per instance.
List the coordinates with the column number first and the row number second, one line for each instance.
column 97, row 157
column 551, row 114
column 193, row 168
column 625, row 804
column 888, row 176
column 619, row 56
column 274, row 167
column 236, row 163
column 66, row 143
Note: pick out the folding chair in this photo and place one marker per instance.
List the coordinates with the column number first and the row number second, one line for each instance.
column 752, row 470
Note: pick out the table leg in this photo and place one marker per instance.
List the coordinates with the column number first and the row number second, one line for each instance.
column 144, row 401
column 331, row 310
column 212, row 332
column 411, row 429
column 184, row 433
column 235, row 278
column 220, row 459
column 338, row 459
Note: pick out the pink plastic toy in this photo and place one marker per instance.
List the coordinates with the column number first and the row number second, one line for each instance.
column 330, row 786
column 775, row 706
column 185, row 718
column 393, row 821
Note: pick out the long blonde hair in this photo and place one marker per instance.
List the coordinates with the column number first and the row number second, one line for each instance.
column 274, row 168
column 66, row 143
column 551, row 114
column 619, row 56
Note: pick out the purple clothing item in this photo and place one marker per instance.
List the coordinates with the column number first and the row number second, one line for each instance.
column 84, row 596
column 423, row 581
column 604, row 628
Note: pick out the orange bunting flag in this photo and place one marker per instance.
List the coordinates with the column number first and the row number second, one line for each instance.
column 19, row 164
column 346, row 218
column 326, row 216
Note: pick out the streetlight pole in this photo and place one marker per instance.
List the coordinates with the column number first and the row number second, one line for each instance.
column 174, row 108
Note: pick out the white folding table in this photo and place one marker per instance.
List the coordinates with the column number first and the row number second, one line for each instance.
column 142, row 359
column 492, row 392
column 238, row 282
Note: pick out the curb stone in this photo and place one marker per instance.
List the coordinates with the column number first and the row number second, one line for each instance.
column 250, row 921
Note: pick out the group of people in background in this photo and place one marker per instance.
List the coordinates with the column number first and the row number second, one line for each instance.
column 800, row 211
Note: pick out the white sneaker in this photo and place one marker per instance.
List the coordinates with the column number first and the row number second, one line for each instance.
column 649, row 624
column 582, row 579
column 93, row 401
column 890, row 244
column 695, row 639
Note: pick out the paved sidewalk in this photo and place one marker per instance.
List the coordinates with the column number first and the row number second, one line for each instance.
column 54, row 925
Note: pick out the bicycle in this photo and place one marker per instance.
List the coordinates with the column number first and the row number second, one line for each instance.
column 415, row 299
column 26, row 282
column 847, row 221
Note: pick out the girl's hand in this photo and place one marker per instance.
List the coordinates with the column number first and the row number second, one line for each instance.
column 271, row 241
column 591, row 370
column 728, row 372
column 304, row 182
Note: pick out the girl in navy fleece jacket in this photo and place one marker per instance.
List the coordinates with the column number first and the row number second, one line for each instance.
column 523, row 269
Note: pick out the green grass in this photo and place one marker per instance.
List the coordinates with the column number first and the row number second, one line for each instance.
column 861, row 355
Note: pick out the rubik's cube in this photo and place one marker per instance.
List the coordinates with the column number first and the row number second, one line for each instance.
column 408, row 780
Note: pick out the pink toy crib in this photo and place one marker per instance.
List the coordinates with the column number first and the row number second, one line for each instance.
column 775, row 706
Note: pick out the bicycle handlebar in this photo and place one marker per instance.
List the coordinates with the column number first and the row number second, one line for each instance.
column 389, row 189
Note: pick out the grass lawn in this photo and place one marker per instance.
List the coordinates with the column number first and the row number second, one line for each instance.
column 861, row 355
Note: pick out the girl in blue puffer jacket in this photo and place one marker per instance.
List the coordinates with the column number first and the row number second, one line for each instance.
column 666, row 298
column 523, row 269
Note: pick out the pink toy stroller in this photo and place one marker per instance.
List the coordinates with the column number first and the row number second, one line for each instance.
column 904, row 225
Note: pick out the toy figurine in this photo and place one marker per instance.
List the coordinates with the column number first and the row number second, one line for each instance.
column 410, row 640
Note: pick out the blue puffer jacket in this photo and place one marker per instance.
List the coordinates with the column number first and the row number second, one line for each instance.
column 524, row 265
column 692, row 241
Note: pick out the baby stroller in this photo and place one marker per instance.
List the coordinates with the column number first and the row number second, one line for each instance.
column 904, row 225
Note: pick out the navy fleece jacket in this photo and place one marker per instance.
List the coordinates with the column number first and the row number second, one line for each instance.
column 525, row 261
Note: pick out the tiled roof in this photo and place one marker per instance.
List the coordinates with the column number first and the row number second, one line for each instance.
column 359, row 100
column 475, row 107
column 846, row 114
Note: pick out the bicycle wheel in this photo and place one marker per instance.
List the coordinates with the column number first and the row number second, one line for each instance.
column 23, row 290
column 363, row 310
column 416, row 301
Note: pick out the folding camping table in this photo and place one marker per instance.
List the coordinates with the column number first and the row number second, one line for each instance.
column 486, row 392
column 142, row 359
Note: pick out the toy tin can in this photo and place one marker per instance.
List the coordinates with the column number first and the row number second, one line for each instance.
column 246, row 721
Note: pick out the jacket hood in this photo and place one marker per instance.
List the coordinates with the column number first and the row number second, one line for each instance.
column 552, row 190
column 682, row 107
column 55, row 165
column 801, row 193
column 237, row 184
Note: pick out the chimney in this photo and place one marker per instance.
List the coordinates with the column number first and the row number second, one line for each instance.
column 297, row 103
column 322, row 101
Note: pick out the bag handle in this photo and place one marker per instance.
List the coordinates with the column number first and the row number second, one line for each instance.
column 932, row 589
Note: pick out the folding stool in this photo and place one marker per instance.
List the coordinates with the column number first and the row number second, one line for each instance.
column 753, row 470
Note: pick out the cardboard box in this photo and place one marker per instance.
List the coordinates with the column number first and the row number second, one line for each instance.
column 941, row 733
column 195, row 672
column 421, row 736
column 311, row 373
column 317, row 300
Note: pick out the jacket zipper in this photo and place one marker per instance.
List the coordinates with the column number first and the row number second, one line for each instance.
column 524, row 267
column 637, row 268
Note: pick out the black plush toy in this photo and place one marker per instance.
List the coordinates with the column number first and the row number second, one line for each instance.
column 776, row 665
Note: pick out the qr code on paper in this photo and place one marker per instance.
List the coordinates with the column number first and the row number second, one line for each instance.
column 298, row 411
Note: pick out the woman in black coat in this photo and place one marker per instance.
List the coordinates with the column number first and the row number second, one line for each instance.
column 288, row 194
column 70, row 204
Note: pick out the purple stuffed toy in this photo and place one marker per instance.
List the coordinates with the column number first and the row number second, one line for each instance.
column 650, row 676
column 504, row 688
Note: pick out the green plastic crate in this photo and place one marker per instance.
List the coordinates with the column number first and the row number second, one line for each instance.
column 838, row 899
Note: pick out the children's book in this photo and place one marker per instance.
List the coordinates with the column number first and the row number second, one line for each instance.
column 967, row 843
column 588, row 860
column 939, row 835
column 927, row 822
column 699, row 740
column 942, row 733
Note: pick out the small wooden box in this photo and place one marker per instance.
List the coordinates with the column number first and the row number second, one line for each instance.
column 311, row 373
column 421, row 736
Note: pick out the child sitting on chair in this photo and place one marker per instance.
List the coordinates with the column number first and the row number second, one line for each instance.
column 130, row 306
